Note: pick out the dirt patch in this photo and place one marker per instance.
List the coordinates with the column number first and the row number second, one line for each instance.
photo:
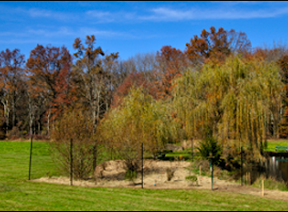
column 112, row 174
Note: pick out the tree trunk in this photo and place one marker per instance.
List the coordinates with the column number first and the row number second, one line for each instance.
column 48, row 122
column 31, row 116
column 13, row 113
column 98, row 107
column 38, row 122
column 6, row 114
column 39, row 126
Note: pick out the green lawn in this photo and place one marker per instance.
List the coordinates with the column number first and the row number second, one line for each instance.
column 271, row 144
column 186, row 154
column 16, row 193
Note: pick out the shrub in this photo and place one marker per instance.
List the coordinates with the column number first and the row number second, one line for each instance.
column 14, row 133
column 2, row 131
column 210, row 145
column 170, row 173
column 2, row 135
column 131, row 175
column 192, row 179
column 37, row 137
column 104, row 165
column 77, row 126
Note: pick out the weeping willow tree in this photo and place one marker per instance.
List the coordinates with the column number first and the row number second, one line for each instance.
column 237, row 100
column 138, row 119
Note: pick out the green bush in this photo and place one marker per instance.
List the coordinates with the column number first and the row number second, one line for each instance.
column 210, row 145
column 130, row 175
column 192, row 178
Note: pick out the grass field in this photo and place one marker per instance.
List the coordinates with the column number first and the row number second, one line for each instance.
column 16, row 193
column 271, row 144
column 185, row 153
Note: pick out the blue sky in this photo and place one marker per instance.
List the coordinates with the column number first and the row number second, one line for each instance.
column 136, row 27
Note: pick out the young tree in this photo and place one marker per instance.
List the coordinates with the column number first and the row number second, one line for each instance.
column 139, row 118
column 75, row 125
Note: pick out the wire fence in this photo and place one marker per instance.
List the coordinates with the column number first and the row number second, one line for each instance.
column 160, row 171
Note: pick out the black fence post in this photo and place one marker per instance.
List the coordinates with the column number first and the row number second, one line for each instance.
column 94, row 155
column 71, row 162
column 30, row 161
column 95, row 160
column 142, row 165
column 241, row 166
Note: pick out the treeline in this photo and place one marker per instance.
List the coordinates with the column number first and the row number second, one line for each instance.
column 218, row 81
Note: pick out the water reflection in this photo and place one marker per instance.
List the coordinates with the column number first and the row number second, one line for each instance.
column 274, row 167
column 277, row 167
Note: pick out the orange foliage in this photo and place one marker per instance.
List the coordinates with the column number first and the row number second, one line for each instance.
column 171, row 62
column 49, row 70
column 215, row 45
column 65, row 92
column 133, row 79
column 44, row 66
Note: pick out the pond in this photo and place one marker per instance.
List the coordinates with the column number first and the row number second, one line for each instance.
column 275, row 167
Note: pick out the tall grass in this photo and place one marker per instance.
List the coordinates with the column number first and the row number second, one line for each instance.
column 270, row 183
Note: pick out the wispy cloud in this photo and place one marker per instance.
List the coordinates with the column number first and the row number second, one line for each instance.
column 167, row 14
column 105, row 16
column 229, row 11
column 22, row 12
column 28, row 35
column 216, row 10
column 62, row 31
column 41, row 13
column 101, row 16
column 97, row 32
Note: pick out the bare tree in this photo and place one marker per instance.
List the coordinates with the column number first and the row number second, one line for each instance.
column 11, row 73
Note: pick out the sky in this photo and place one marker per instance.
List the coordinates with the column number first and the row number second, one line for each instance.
column 136, row 27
